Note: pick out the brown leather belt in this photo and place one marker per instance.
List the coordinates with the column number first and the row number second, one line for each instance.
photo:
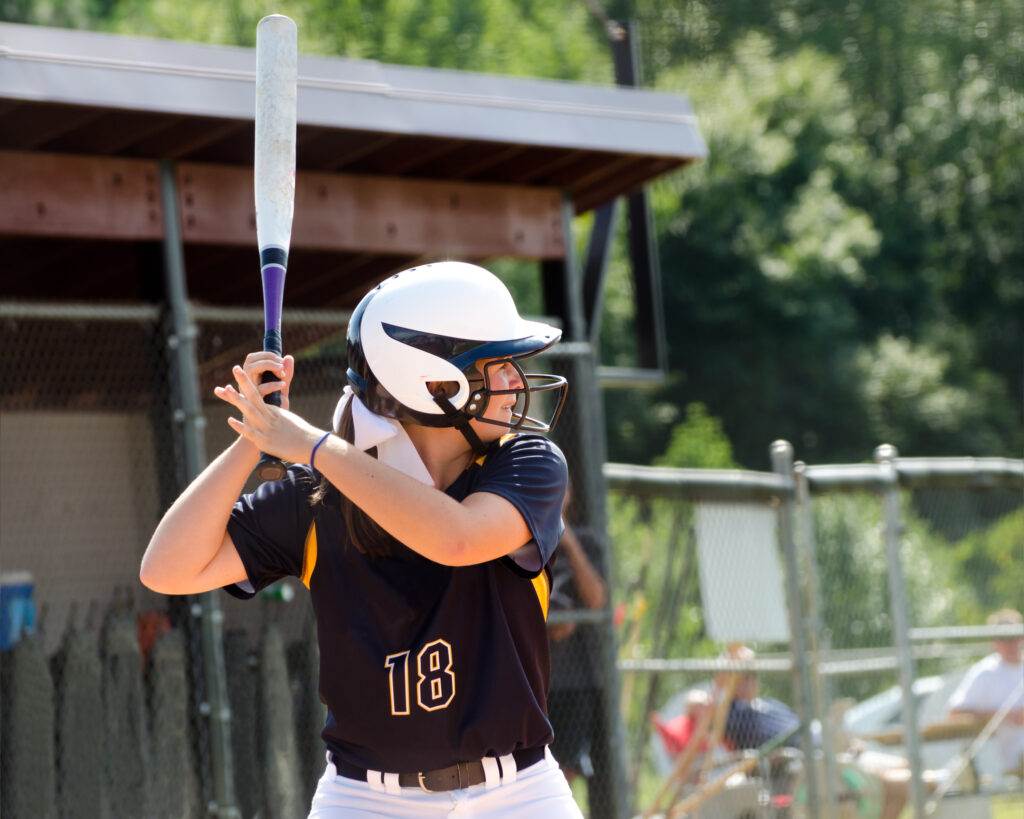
column 454, row 777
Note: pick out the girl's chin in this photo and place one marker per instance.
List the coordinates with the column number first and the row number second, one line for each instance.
column 492, row 432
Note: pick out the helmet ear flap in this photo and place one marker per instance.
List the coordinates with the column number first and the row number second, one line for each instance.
column 409, row 370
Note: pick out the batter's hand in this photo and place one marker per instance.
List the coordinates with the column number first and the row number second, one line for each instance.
column 274, row 430
column 267, row 362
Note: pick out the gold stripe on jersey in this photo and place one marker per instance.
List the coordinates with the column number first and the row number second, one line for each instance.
column 501, row 442
column 542, row 587
column 309, row 556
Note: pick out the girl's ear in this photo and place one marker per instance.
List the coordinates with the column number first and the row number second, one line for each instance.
column 443, row 389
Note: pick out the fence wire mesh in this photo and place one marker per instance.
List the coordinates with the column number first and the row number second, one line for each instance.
column 97, row 712
column 576, row 705
column 104, row 687
column 578, row 619
column 272, row 662
column 960, row 543
column 670, row 550
column 961, row 551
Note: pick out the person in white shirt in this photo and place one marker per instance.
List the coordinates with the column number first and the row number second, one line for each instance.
column 990, row 684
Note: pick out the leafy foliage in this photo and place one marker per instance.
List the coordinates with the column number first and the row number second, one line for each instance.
column 913, row 402
column 993, row 559
column 520, row 37
column 698, row 442
column 763, row 255
column 860, row 197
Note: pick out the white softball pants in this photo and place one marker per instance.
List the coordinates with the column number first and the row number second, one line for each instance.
column 540, row 790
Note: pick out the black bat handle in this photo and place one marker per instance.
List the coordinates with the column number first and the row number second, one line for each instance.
column 270, row 468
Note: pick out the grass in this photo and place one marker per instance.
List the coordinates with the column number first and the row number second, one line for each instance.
column 1008, row 807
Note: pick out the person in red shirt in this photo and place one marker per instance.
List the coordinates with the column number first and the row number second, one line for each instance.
column 677, row 732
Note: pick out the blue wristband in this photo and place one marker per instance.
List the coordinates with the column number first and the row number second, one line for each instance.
column 316, row 446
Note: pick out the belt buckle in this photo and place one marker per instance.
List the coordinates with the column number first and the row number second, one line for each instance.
column 421, row 779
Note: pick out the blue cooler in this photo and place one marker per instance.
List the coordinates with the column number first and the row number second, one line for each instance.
column 17, row 608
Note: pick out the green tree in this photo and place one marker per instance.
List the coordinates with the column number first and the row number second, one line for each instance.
column 865, row 180
column 698, row 442
column 993, row 561
column 518, row 37
column 865, row 184
column 912, row 402
column 763, row 256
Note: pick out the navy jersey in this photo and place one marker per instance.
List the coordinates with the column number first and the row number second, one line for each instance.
column 421, row 665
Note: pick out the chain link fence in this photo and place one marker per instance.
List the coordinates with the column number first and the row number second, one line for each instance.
column 957, row 528
column 98, row 714
column 106, row 707
column 107, row 688
column 584, row 691
column 110, row 691
column 885, row 573
column 673, row 531
column 271, row 658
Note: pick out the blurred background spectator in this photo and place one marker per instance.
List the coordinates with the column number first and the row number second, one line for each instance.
column 991, row 684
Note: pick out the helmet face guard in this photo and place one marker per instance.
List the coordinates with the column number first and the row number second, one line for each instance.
column 533, row 383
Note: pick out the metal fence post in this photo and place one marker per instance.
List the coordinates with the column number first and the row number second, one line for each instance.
column 589, row 454
column 190, row 426
column 782, row 464
column 590, row 487
column 817, row 638
column 884, row 457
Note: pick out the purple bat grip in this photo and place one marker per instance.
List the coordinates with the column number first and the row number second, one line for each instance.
column 273, row 265
column 273, row 297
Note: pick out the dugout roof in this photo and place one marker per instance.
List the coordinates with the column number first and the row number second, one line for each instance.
column 68, row 92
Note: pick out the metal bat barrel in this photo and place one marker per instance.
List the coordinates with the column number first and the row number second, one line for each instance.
column 276, row 111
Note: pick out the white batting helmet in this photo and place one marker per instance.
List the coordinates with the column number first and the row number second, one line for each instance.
column 432, row 324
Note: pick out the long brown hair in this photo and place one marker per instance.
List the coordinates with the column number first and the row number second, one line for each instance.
column 363, row 532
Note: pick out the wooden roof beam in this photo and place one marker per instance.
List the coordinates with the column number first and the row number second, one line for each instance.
column 106, row 198
column 30, row 126
column 186, row 136
column 427, row 157
column 366, row 147
column 598, row 189
column 112, row 133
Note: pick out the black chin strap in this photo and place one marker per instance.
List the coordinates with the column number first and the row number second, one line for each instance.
column 461, row 423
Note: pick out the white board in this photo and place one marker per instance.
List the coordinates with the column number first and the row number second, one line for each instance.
column 741, row 580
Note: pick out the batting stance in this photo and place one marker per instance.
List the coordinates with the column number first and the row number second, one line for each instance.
column 422, row 524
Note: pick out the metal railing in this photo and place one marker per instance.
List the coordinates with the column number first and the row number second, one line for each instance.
column 891, row 481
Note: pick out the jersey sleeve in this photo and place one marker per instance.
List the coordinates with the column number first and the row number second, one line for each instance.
column 530, row 473
column 269, row 527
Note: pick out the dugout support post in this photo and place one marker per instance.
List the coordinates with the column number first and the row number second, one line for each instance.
column 189, row 431
column 652, row 344
column 595, row 267
column 584, row 442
